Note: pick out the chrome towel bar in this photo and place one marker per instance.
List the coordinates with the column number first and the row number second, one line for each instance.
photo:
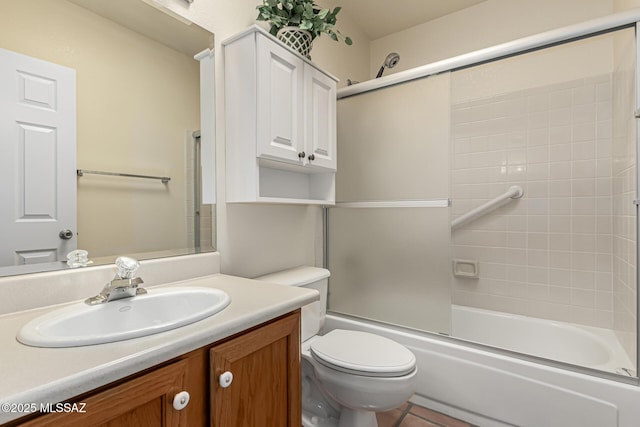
column 164, row 179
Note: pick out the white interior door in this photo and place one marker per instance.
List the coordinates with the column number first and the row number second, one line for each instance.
column 37, row 160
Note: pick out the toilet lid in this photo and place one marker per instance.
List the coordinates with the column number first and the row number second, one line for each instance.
column 363, row 353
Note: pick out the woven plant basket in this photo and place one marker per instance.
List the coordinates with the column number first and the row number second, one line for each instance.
column 298, row 39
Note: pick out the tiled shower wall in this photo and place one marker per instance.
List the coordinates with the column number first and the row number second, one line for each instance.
column 551, row 253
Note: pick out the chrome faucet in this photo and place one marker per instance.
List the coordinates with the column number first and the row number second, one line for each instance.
column 124, row 284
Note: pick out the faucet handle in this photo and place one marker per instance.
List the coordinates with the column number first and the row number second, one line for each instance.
column 127, row 267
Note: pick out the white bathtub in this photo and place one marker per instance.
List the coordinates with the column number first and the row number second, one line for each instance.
column 591, row 347
column 493, row 389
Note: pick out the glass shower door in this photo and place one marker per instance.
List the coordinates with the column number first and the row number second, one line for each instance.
column 388, row 235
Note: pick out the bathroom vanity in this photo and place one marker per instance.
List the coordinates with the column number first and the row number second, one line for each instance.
column 240, row 366
column 265, row 385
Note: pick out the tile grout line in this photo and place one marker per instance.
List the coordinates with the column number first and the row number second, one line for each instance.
column 404, row 414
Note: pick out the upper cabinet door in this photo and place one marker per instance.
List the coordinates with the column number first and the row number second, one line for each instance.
column 320, row 97
column 280, row 108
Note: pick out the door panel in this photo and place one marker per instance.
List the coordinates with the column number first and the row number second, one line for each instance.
column 143, row 401
column 266, row 386
column 38, row 159
column 321, row 118
column 280, row 77
column 37, row 169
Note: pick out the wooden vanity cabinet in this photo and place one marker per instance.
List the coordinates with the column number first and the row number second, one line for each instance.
column 143, row 401
column 265, row 390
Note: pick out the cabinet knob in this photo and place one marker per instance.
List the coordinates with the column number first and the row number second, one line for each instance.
column 225, row 379
column 312, row 157
column 301, row 154
column 181, row 400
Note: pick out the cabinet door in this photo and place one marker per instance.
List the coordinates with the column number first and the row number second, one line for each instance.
column 279, row 103
column 320, row 124
column 146, row 401
column 265, row 390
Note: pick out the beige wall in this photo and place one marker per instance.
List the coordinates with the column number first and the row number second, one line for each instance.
column 486, row 24
column 345, row 62
column 125, row 124
column 619, row 5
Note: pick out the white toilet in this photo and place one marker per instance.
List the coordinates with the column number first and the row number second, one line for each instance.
column 347, row 376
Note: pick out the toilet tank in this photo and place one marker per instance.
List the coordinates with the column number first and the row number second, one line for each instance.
column 313, row 314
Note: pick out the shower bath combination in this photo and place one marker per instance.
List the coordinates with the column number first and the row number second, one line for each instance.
column 389, row 62
column 552, row 113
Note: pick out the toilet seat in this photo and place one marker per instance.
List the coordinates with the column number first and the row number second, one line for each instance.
column 362, row 353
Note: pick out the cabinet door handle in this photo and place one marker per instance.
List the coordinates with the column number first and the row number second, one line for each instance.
column 225, row 379
column 181, row 400
column 301, row 155
column 312, row 157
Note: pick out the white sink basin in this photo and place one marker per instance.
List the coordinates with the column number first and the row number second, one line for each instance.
column 157, row 311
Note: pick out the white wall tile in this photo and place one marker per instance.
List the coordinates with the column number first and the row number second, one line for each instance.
column 560, row 170
column 583, row 95
column 584, row 150
column 585, row 113
column 560, row 134
column 583, row 261
column 584, row 131
column 557, row 252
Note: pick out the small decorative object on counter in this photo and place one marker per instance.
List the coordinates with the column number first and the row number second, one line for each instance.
column 78, row 258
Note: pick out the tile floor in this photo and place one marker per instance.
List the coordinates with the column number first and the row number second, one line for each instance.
column 411, row 415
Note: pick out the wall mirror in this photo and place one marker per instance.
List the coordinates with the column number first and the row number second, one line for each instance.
column 99, row 102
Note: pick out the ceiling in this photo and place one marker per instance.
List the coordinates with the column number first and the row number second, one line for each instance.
column 154, row 22
column 379, row 18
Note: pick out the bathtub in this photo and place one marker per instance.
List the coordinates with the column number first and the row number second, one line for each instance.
column 586, row 346
column 497, row 388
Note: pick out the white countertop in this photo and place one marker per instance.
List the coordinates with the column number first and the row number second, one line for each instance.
column 50, row 375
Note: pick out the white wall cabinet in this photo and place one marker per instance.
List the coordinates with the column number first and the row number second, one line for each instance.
column 280, row 123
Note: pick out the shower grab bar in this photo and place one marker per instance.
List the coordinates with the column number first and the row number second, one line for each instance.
column 81, row 172
column 514, row 192
column 433, row 203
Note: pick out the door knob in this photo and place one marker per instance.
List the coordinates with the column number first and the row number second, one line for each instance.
column 181, row 400
column 65, row 234
column 312, row 157
column 225, row 379
column 301, row 154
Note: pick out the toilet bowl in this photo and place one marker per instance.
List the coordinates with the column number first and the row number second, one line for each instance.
column 347, row 376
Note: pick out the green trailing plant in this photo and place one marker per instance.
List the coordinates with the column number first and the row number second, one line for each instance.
column 304, row 14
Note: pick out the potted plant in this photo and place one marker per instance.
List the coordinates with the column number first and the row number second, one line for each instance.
column 298, row 22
